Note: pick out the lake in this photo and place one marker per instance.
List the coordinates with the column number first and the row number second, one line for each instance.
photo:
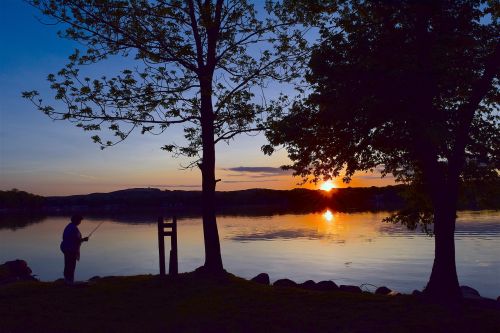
column 348, row 248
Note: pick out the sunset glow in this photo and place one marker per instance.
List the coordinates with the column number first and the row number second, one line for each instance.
column 327, row 186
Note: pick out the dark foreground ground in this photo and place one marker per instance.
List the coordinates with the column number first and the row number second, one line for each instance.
column 196, row 304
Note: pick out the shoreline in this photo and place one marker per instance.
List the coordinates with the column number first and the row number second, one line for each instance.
column 195, row 302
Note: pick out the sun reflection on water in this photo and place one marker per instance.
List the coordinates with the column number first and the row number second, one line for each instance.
column 328, row 216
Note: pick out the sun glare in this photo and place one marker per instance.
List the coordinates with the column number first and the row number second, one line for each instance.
column 328, row 215
column 327, row 186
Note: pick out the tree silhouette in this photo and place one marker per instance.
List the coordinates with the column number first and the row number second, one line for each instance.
column 412, row 88
column 195, row 63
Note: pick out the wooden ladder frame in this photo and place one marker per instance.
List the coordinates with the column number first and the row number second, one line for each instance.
column 173, row 264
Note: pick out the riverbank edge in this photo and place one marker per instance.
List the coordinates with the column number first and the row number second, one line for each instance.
column 192, row 302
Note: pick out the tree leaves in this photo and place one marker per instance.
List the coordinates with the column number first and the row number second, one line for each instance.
column 391, row 83
column 175, row 45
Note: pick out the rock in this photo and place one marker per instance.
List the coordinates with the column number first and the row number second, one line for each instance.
column 326, row 286
column 350, row 289
column 469, row 293
column 498, row 299
column 309, row 284
column 394, row 293
column 320, row 286
column 284, row 283
column 382, row 291
column 207, row 273
column 95, row 278
column 15, row 270
column 18, row 267
column 262, row 278
column 416, row 293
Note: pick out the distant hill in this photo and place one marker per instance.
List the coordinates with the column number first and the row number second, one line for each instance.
column 296, row 200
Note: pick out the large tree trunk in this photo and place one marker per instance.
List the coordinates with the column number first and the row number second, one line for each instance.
column 213, row 258
column 442, row 185
column 443, row 282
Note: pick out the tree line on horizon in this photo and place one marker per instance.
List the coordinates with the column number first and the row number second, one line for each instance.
column 409, row 87
column 153, row 200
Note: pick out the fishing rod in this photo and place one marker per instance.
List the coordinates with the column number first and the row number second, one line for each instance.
column 95, row 229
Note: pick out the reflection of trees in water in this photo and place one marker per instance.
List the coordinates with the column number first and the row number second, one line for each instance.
column 193, row 213
column 482, row 223
column 19, row 221
column 15, row 221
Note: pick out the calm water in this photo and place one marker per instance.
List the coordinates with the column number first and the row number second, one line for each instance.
column 346, row 248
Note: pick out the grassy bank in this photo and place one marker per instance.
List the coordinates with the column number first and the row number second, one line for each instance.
column 192, row 303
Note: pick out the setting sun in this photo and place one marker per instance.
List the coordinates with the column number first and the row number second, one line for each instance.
column 327, row 186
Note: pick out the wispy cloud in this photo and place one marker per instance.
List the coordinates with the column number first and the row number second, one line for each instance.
column 267, row 171
column 175, row 186
column 80, row 175
column 369, row 176
column 251, row 181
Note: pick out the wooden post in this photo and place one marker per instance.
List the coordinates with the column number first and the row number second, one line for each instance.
column 173, row 264
column 161, row 246
column 173, row 267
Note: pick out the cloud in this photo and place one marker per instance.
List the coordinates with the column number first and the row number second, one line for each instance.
column 370, row 177
column 175, row 186
column 80, row 175
column 251, row 181
column 264, row 171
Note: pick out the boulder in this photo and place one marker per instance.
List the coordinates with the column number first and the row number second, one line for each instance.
column 416, row 293
column 469, row 293
column 382, row 291
column 262, row 278
column 284, row 283
column 309, row 284
column 15, row 270
column 19, row 267
column 394, row 293
column 350, row 289
column 498, row 299
column 326, row 286
column 95, row 278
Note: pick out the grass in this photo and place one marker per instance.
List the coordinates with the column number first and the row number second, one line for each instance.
column 192, row 303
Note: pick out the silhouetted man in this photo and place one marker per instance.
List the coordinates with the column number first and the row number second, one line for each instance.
column 70, row 246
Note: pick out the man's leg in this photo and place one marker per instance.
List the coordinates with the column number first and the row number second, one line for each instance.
column 69, row 267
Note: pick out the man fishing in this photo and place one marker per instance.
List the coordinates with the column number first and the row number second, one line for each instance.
column 70, row 246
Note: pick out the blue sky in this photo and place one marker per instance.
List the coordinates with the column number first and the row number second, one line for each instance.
column 55, row 158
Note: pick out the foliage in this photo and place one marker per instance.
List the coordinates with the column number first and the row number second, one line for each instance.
column 195, row 63
column 408, row 88
column 178, row 51
column 20, row 200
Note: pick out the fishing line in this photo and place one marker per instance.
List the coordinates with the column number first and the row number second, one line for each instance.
column 95, row 229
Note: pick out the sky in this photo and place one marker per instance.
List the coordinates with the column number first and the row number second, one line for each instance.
column 49, row 157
